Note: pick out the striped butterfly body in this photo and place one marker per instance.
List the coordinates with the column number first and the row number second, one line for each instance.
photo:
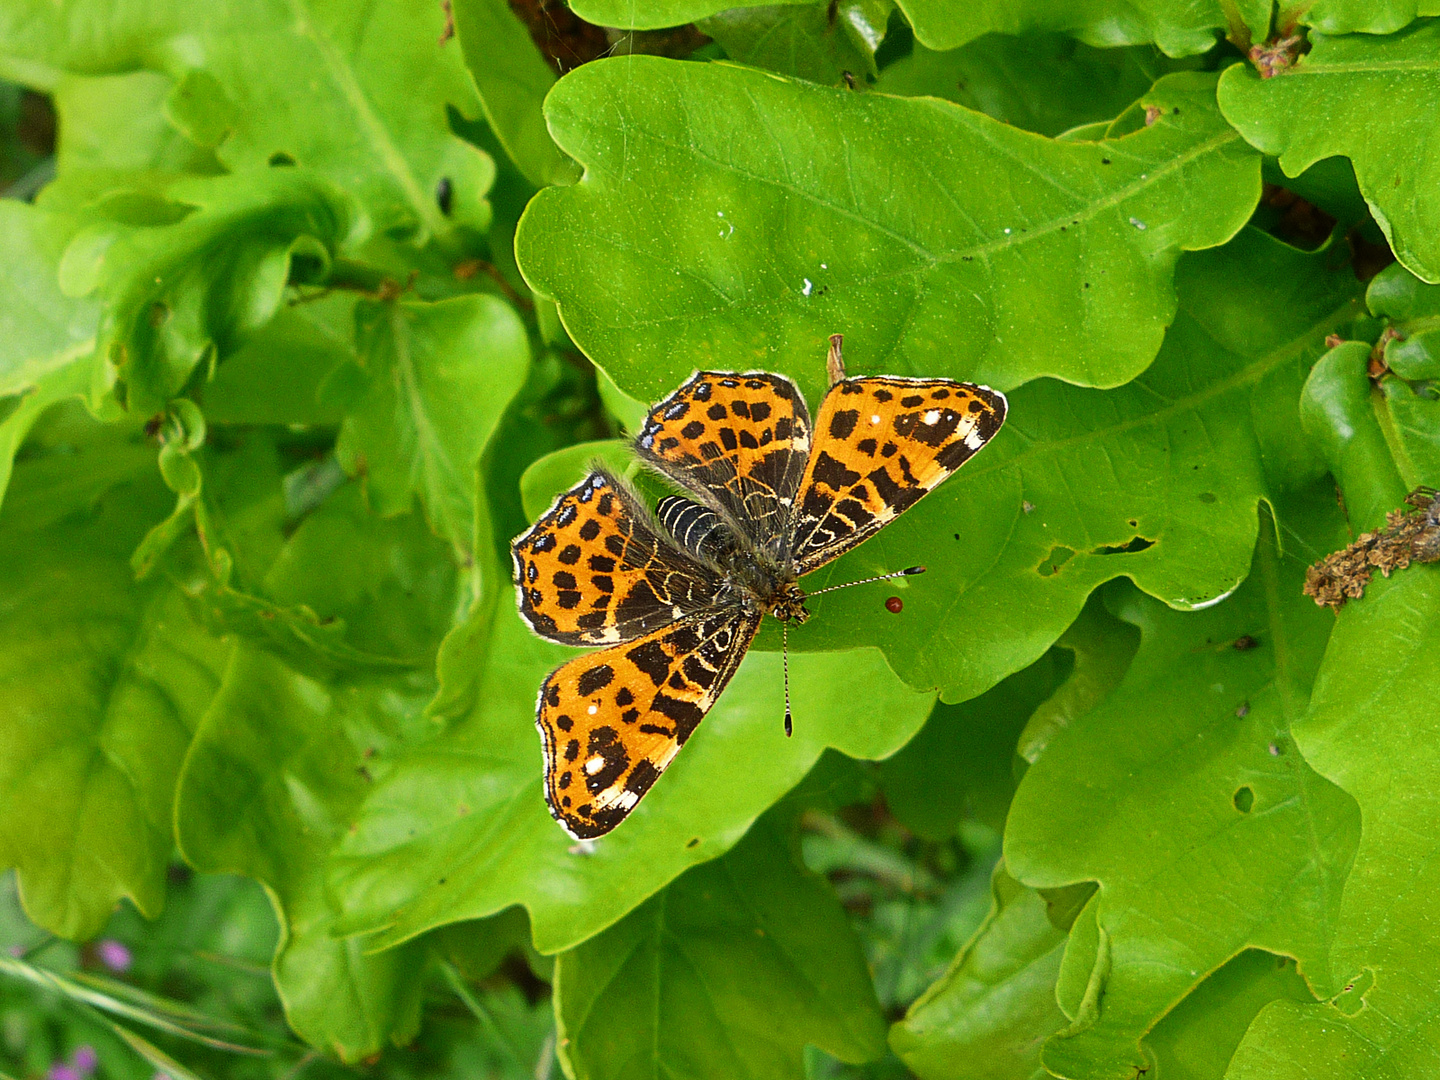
column 676, row 598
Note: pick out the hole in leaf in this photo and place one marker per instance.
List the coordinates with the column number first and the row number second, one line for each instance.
column 1136, row 543
column 1351, row 999
column 1207, row 496
column 1057, row 558
column 1244, row 800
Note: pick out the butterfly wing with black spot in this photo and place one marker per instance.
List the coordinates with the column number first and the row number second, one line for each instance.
column 880, row 445
column 739, row 442
column 592, row 571
column 612, row 721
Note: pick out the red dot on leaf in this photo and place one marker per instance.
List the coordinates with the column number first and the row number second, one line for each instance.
column 894, row 605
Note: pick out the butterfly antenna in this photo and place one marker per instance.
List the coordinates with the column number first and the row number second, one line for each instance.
column 785, row 661
column 907, row 572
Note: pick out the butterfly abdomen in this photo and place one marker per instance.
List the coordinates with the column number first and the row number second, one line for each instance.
column 696, row 528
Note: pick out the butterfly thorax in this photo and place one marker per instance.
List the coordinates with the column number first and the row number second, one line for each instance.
column 755, row 579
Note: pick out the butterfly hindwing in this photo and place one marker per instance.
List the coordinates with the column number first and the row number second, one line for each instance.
column 739, row 442
column 610, row 722
column 880, row 445
column 592, row 571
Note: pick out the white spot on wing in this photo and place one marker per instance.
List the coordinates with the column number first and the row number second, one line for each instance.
column 932, row 416
column 594, row 765
column 593, row 709
column 875, row 419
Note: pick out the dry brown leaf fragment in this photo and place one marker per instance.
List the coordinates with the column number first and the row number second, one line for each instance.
column 1410, row 535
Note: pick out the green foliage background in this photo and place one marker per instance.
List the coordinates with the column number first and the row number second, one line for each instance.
column 310, row 306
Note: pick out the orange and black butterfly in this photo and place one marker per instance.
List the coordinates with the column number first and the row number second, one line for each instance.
column 677, row 597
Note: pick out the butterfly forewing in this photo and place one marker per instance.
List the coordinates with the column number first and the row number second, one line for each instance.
column 880, row 445
column 611, row 722
column 739, row 442
column 591, row 571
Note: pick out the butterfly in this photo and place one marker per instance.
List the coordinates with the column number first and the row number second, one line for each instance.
column 676, row 597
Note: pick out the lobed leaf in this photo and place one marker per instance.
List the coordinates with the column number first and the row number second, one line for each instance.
column 728, row 973
column 1411, row 309
column 1326, row 104
column 1193, row 798
column 106, row 679
column 46, row 337
column 1157, row 481
column 282, row 758
column 990, row 1013
column 733, row 219
column 436, row 379
column 512, row 78
column 214, row 267
column 1046, row 83
column 1371, row 729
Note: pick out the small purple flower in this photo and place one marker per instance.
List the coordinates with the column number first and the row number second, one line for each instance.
column 84, row 1060
column 113, row 955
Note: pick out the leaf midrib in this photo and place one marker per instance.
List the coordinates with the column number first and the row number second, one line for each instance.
column 354, row 95
column 1092, row 210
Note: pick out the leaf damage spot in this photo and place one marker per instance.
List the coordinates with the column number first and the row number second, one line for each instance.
column 1130, row 547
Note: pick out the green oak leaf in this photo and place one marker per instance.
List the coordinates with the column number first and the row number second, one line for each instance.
column 1046, row 83
column 512, row 78
column 987, row 1017
column 1372, row 729
column 437, row 377
column 1379, row 441
column 1174, row 465
column 729, row 972
column 1194, row 796
column 373, row 117
column 1338, row 410
column 1102, row 647
column 41, row 40
column 1354, row 16
column 276, row 764
column 1326, row 105
column 1177, row 27
column 1180, row 29
column 807, row 41
column 105, row 680
column 113, row 133
column 981, row 252
column 467, row 807
column 1411, row 309
column 282, row 758
column 175, row 293
column 1196, row 1040
column 274, row 373
column 46, row 337
column 458, row 828
column 961, row 763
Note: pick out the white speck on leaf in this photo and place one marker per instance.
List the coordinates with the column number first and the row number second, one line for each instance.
column 807, row 288
column 1137, row 223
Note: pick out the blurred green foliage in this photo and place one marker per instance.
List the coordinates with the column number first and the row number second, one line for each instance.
column 307, row 308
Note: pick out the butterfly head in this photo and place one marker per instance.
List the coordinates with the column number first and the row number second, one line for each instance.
column 788, row 604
